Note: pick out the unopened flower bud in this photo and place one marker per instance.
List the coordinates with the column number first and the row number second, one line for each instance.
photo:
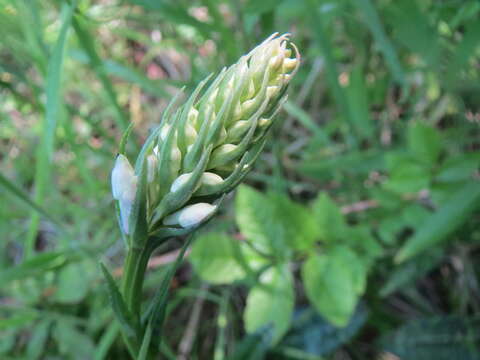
column 180, row 181
column 206, row 146
column 151, row 167
column 124, row 187
column 289, row 64
column 190, row 216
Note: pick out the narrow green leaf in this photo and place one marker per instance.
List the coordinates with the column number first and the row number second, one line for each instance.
column 124, row 139
column 155, row 314
column 357, row 97
column 87, row 43
column 106, row 341
column 123, row 315
column 20, row 194
column 138, row 218
column 406, row 274
column 313, row 334
column 53, row 103
column 35, row 266
column 443, row 222
column 372, row 20
column 317, row 22
column 450, row 337
column 305, row 119
column 147, row 337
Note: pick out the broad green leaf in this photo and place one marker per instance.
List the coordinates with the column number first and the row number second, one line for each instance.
column 411, row 216
column 413, row 28
column 357, row 97
column 73, row 282
column 330, row 221
column 424, row 142
column 273, row 223
column 438, row 226
column 439, row 338
column 406, row 274
column 329, row 163
column 333, row 281
column 260, row 7
column 406, row 175
column 18, row 319
column 7, row 341
column 458, row 168
column 38, row 339
column 360, row 239
column 270, row 303
column 214, row 256
column 253, row 346
column 73, row 343
column 314, row 335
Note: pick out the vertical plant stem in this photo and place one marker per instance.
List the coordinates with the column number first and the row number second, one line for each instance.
column 134, row 274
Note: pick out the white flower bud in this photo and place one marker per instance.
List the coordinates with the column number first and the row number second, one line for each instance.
column 222, row 137
column 223, row 150
column 237, row 112
column 164, row 131
column 248, row 106
column 289, row 64
column 180, row 181
column 238, row 130
column 251, row 90
column 151, row 167
column 190, row 134
column 275, row 62
column 124, row 187
column 123, row 178
column 272, row 91
column 125, row 210
column 192, row 115
column 211, row 179
column 191, row 215
column 263, row 122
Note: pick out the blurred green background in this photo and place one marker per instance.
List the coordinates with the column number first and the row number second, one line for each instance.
column 357, row 234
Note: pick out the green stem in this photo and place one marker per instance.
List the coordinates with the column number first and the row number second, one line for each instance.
column 134, row 275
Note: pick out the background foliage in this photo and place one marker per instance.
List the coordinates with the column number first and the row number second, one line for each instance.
column 356, row 235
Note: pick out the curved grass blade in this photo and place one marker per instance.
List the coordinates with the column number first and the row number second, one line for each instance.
column 20, row 194
column 53, row 103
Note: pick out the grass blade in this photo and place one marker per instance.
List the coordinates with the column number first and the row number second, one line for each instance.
column 372, row 20
column 88, row 45
column 20, row 194
column 45, row 151
column 325, row 45
column 443, row 222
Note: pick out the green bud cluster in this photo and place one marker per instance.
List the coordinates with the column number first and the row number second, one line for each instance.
column 205, row 147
